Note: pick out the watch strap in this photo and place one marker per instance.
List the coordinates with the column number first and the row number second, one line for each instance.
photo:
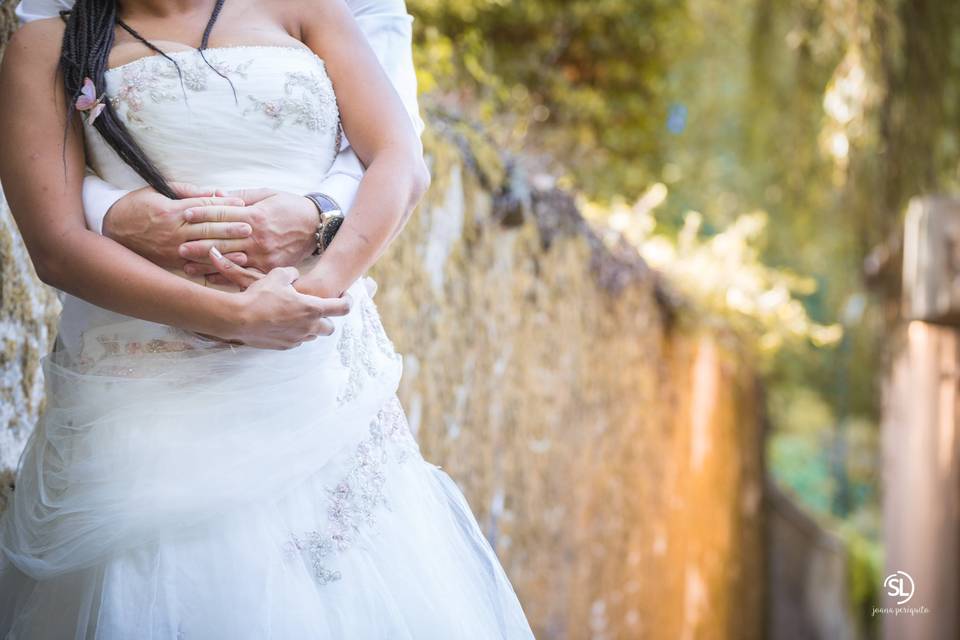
column 330, row 217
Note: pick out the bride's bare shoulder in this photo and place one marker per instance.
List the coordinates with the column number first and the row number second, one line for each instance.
column 34, row 47
column 294, row 13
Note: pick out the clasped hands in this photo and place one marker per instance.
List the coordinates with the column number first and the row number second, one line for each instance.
column 252, row 238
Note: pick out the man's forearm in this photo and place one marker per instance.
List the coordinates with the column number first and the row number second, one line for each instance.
column 99, row 196
column 343, row 179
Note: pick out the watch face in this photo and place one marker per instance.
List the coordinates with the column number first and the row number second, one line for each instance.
column 327, row 216
column 330, row 226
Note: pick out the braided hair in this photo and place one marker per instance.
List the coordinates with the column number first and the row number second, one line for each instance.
column 87, row 40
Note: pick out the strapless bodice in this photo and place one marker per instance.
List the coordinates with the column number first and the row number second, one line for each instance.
column 272, row 121
column 275, row 124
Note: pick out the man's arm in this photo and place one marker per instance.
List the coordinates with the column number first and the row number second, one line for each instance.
column 30, row 10
column 98, row 196
column 388, row 28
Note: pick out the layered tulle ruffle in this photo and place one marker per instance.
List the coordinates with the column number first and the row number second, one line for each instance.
column 181, row 489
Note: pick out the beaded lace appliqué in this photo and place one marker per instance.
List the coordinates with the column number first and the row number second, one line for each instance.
column 355, row 499
column 358, row 351
column 155, row 78
column 308, row 101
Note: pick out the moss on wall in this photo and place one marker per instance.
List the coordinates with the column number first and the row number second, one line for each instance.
column 8, row 21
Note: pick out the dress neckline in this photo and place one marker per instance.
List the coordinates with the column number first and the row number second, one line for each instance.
column 180, row 52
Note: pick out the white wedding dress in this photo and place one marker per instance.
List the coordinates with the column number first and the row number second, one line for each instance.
column 177, row 488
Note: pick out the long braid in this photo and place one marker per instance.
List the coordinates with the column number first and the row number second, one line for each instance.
column 87, row 40
column 206, row 39
column 149, row 45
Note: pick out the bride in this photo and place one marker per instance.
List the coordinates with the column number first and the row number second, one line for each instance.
column 216, row 462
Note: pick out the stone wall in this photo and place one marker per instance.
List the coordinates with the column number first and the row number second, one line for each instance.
column 610, row 450
column 610, row 446
column 28, row 313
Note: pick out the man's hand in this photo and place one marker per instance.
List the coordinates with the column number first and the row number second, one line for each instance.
column 154, row 226
column 283, row 227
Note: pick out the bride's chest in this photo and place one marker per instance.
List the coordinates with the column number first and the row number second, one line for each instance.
column 257, row 106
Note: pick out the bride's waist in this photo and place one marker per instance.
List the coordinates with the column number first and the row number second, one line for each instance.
column 91, row 333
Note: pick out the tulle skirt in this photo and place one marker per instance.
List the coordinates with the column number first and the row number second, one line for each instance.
column 177, row 488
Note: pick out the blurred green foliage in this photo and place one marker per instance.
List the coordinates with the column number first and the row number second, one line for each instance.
column 582, row 81
column 865, row 569
column 825, row 115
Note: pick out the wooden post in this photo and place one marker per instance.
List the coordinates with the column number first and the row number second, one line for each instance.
column 931, row 261
column 920, row 441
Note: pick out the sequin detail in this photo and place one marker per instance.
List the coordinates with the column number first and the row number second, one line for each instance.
column 110, row 352
column 355, row 500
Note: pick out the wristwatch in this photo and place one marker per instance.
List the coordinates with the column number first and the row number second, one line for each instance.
column 331, row 217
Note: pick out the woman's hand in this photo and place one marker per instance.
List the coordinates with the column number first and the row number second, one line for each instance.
column 267, row 298
column 273, row 315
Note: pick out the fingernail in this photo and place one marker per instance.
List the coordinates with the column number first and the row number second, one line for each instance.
column 216, row 253
column 182, row 251
column 245, row 229
column 188, row 215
